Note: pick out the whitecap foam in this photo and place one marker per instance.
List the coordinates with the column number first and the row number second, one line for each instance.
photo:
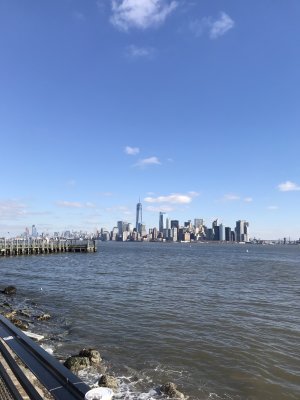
column 47, row 348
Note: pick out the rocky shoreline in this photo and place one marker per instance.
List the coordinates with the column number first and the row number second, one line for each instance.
column 26, row 318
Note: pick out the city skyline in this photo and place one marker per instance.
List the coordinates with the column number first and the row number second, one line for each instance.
column 190, row 106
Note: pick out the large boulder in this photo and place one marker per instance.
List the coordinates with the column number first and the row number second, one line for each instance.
column 170, row 389
column 10, row 290
column 92, row 354
column 76, row 363
column 108, row 381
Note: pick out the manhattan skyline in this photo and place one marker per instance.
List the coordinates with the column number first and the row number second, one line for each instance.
column 193, row 107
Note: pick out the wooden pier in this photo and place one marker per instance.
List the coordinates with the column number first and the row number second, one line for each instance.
column 17, row 247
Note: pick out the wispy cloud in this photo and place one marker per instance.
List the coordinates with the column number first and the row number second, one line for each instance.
column 272, row 208
column 12, row 209
column 163, row 208
column 235, row 197
column 132, row 151
column 174, row 198
column 119, row 210
column 214, row 28
column 79, row 16
column 71, row 183
column 105, row 194
column 288, row 186
column 221, row 26
column 74, row 204
column 136, row 52
column 147, row 161
column 140, row 14
column 231, row 197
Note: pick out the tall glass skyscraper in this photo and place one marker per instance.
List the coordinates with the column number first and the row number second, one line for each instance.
column 139, row 217
column 161, row 222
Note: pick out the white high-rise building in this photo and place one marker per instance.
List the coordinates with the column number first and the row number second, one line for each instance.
column 241, row 231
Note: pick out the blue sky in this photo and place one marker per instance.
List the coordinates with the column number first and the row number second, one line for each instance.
column 193, row 106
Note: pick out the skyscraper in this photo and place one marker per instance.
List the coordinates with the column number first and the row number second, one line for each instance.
column 241, row 231
column 228, row 234
column 33, row 231
column 161, row 222
column 139, row 217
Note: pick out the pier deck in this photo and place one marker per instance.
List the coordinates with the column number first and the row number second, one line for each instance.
column 16, row 247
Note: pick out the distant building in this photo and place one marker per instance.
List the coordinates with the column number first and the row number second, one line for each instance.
column 139, row 217
column 209, row 233
column 174, row 223
column 188, row 224
column 216, row 230
column 228, row 234
column 33, row 231
column 167, row 223
column 241, row 231
column 161, row 222
column 183, row 235
column 123, row 226
column 221, row 233
column 174, row 234
column 232, row 236
column 198, row 223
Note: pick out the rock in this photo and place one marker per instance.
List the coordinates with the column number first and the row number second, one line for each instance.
column 20, row 324
column 10, row 315
column 108, row 381
column 170, row 389
column 10, row 290
column 92, row 354
column 44, row 317
column 76, row 363
column 24, row 313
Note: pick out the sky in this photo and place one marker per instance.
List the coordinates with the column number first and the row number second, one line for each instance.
column 193, row 107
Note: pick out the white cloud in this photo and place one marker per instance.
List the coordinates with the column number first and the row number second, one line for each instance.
column 221, row 26
column 133, row 51
column 140, row 14
column 215, row 28
column 105, row 194
column 198, row 27
column 74, row 204
column 12, row 209
column 231, row 197
column 132, row 151
column 172, row 198
column 148, row 161
column 235, row 197
column 272, row 207
column 288, row 186
column 163, row 208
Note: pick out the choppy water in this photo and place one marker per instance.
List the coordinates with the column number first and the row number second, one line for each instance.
column 221, row 322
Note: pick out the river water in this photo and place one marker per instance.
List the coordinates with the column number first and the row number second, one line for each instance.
column 220, row 321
